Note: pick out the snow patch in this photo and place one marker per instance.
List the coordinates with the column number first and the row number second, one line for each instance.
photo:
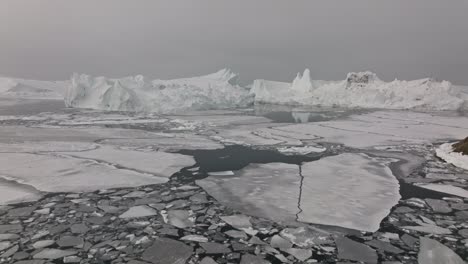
column 304, row 150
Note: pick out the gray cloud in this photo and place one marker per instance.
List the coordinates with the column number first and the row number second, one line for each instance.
column 50, row 39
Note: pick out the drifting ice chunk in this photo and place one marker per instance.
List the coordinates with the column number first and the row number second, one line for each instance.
column 445, row 152
column 213, row 91
column 363, row 90
column 67, row 174
column 155, row 162
column 264, row 190
column 221, row 173
column 301, row 150
column 382, row 128
column 12, row 192
column 444, row 188
column 349, row 190
column 433, row 252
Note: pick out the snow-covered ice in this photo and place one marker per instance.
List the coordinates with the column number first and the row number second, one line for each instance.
column 301, row 150
column 161, row 164
column 349, row 190
column 363, row 90
column 12, row 192
column 51, row 173
column 382, row 128
column 214, row 91
column 34, row 160
column 265, row 190
column 445, row 152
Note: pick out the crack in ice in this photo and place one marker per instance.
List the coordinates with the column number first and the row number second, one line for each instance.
column 299, row 200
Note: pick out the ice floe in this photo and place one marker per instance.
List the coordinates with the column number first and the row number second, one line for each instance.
column 301, row 150
column 62, row 174
column 433, row 252
column 161, row 164
column 445, row 188
column 79, row 171
column 265, row 190
column 349, row 190
column 382, row 128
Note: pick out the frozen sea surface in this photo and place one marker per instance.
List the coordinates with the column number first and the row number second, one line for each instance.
column 312, row 166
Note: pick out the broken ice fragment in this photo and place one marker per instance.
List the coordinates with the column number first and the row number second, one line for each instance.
column 433, row 252
column 138, row 211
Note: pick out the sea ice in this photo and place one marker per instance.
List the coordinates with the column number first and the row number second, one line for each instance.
column 349, row 190
column 12, row 192
column 433, row 252
column 445, row 152
column 264, row 190
column 445, row 188
column 161, row 164
column 301, row 150
column 58, row 173
column 382, row 128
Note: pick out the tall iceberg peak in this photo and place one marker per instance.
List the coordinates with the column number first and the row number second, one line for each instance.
column 302, row 82
column 362, row 90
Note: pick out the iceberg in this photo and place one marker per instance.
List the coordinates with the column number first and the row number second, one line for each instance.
column 19, row 88
column 214, row 91
column 362, row 90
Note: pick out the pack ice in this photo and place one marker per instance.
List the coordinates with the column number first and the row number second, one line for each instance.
column 363, row 90
column 214, row 91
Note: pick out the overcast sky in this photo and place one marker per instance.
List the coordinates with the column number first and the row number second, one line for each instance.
column 267, row 39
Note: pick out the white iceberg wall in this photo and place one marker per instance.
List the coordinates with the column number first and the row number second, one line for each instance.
column 363, row 90
column 214, row 91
